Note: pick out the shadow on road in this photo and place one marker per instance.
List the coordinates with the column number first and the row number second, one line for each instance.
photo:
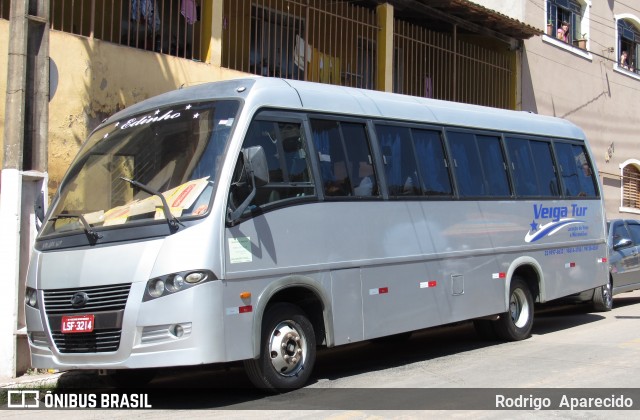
column 227, row 386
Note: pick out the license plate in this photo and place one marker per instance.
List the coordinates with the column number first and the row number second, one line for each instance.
column 77, row 323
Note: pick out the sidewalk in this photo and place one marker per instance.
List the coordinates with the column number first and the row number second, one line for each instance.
column 31, row 380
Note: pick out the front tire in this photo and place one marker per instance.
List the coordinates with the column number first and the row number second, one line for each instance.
column 288, row 350
column 516, row 323
column 603, row 297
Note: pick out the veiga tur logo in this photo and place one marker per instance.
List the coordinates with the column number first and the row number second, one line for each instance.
column 23, row 399
column 558, row 217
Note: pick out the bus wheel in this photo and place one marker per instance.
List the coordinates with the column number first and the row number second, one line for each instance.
column 288, row 350
column 603, row 298
column 516, row 323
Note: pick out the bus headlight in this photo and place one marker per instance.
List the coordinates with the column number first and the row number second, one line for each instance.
column 31, row 297
column 175, row 282
column 155, row 288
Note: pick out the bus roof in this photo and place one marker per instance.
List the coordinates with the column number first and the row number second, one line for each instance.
column 259, row 92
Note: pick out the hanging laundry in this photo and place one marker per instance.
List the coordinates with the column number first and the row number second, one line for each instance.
column 190, row 11
column 145, row 11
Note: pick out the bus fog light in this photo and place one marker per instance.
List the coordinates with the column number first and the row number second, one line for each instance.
column 195, row 277
column 176, row 330
column 156, row 288
column 30, row 297
column 176, row 283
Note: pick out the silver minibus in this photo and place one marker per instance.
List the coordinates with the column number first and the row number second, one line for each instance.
column 257, row 219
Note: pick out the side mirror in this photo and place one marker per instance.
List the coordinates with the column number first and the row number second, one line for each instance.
column 256, row 167
column 255, row 161
column 622, row 243
column 38, row 210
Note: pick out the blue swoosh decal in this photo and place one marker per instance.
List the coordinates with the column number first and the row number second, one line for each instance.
column 549, row 229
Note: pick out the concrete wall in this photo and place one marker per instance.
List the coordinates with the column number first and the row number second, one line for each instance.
column 586, row 88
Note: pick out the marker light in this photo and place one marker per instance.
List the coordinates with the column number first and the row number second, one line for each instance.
column 175, row 283
column 195, row 277
column 245, row 295
column 156, row 288
column 31, row 297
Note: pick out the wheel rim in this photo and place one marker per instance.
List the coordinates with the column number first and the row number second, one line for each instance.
column 519, row 308
column 287, row 348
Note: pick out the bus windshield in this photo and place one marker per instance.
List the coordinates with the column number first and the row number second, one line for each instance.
column 175, row 151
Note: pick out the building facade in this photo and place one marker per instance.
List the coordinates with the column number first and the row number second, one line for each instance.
column 590, row 76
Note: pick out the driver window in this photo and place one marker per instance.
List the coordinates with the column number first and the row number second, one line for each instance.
column 285, row 149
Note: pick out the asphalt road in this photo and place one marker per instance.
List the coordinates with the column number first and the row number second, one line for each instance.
column 572, row 353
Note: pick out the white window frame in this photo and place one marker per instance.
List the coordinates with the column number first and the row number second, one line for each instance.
column 616, row 66
column 585, row 27
column 636, row 163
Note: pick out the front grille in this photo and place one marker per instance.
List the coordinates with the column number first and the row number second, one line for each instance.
column 101, row 298
column 107, row 303
column 93, row 342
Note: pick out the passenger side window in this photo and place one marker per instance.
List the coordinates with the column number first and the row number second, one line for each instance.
column 479, row 165
column 432, row 163
column 532, row 168
column 285, row 150
column 399, row 161
column 346, row 162
column 578, row 178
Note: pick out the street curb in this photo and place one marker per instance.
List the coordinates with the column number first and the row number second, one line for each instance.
column 48, row 381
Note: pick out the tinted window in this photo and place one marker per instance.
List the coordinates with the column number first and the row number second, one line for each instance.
column 578, row 179
column 285, row 149
column 532, row 168
column 494, row 167
column 346, row 163
column 399, row 160
column 466, row 164
column 431, row 162
column 479, row 165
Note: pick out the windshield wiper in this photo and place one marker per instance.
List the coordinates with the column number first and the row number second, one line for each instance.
column 171, row 219
column 92, row 235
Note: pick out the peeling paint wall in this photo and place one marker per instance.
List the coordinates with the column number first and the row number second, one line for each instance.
column 97, row 79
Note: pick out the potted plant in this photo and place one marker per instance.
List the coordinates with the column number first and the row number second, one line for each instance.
column 581, row 42
column 550, row 28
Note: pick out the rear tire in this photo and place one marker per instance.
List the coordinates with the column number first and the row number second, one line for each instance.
column 603, row 297
column 288, row 350
column 516, row 323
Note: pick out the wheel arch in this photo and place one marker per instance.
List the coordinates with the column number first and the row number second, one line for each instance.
column 303, row 292
column 531, row 272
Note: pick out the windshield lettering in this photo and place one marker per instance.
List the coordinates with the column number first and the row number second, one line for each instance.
column 148, row 119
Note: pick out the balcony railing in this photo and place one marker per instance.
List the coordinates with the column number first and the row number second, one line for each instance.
column 170, row 27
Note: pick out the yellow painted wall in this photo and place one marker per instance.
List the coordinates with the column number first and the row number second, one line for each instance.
column 96, row 79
